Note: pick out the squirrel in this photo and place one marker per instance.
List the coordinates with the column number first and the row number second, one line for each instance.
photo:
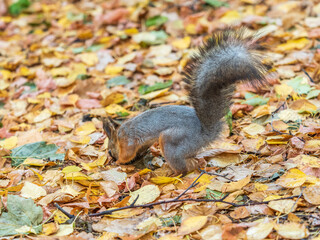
column 228, row 57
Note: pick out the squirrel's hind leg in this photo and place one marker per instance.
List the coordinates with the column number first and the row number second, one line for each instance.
column 175, row 150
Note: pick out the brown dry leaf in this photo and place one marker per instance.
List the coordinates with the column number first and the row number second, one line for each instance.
column 283, row 206
column 33, row 191
column 312, row 194
column 292, row 230
column 260, row 231
column 239, row 213
column 146, row 194
column 235, row 186
column 192, row 224
column 212, row 232
column 293, row 178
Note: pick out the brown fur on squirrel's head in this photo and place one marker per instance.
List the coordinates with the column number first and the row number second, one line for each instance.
column 110, row 127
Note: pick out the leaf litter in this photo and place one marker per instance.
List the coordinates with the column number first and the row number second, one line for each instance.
column 64, row 64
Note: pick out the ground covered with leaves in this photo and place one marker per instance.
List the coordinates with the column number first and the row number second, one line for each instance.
column 63, row 64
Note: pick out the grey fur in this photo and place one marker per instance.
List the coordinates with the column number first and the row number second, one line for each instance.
column 228, row 57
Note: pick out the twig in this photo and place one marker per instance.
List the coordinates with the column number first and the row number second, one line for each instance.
column 64, row 211
column 193, row 184
column 295, row 203
column 310, row 78
column 149, row 205
column 216, row 174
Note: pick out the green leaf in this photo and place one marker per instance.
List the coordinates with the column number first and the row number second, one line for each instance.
column 39, row 150
column 156, row 21
column 1, row 104
column 216, row 3
column 151, row 38
column 76, row 17
column 144, row 89
column 33, row 87
column 299, row 85
column 23, row 217
column 213, row 194
column 313, row 94
column 78, row 50
column 16, row 8
column 171, row 221
column 83, row 76
column 94, row 48
column 254, row 99
column 116, row 81
column 122, row 114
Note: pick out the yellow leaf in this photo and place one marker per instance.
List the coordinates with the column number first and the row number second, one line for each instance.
column 5, row 74
column 293, row 178
column 113, row 70
column 70, row 169
column 303, row 105
column 283, row 206
column 280, row 139
column 34, row 162
column 43, row 115
column 147, row 194
column 254, row 129
column 234, row 186
column 85, row 129
column 62, row 71
column 260, row 187
column 49, row 228
column 289, row 115
column 44, row 95
column 76, row 176
column 203, row 181
column 64, row 82
column 191, row 28
column 99, row 162
column 144, row 171
column 114, row 108
column 292, row 230
column 126, row 213
column 164, row 180
column 260, row 231
column 230, row 17
column 155, row 94
column 90, row 59
column 60, row 217
column 182, row 43
column 4, row 84
column 80, row 139
column 65, row 230
column 192, row 224
column 112, row 98
column 131, row 31
column 127, row 58
column 312, row 145
column 283, row 90
column 9, row 143
column 293, row 44
column 33, row 191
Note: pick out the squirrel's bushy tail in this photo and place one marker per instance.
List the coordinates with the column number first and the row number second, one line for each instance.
column 227, row 57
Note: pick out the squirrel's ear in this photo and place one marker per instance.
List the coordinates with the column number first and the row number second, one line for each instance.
column 109, row 126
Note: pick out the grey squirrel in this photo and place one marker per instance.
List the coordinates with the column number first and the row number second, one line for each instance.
column 226, row 58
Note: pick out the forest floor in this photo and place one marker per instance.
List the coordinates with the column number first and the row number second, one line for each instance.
column 65, row 63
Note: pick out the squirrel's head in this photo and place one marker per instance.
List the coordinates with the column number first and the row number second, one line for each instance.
column 110, row 127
